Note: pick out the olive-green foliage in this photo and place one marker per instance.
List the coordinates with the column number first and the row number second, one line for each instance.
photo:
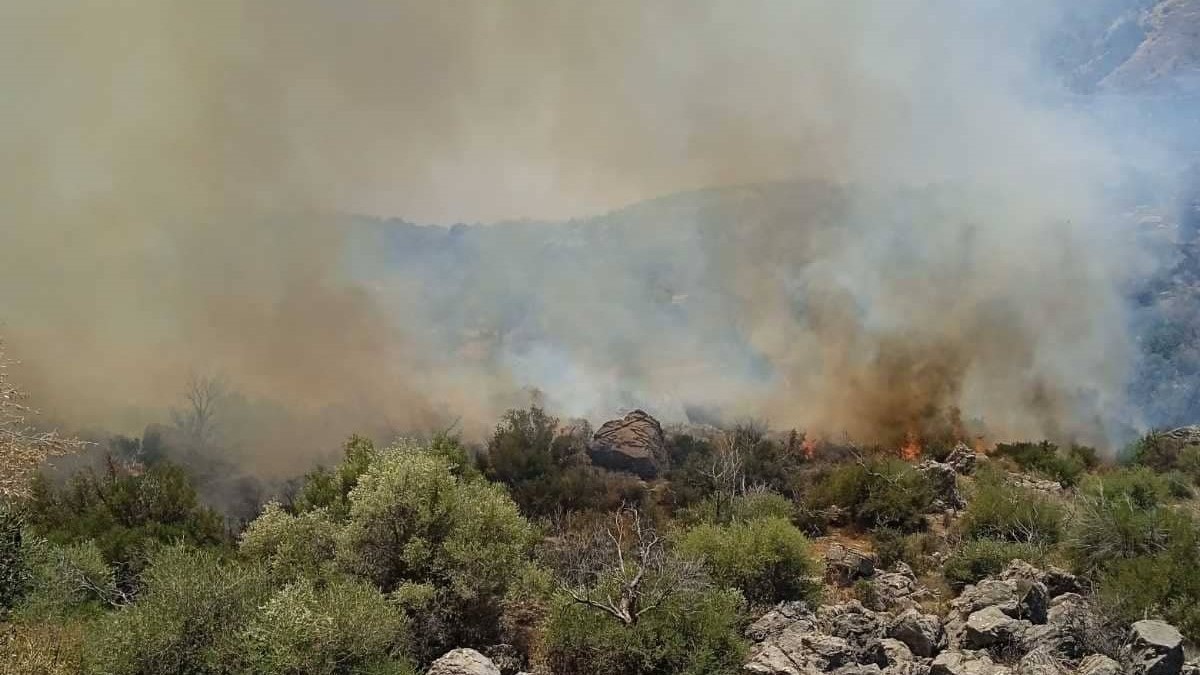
column 880, row 492
column 1005, row 512
column 13, row 571
column 743, row 507
column 292, row 546
column 187, row 619
column 547, row 470
column 1189, row 462
column 334, row 628
column 891, row 546
column 693, row 633
column 981, row 558
column 64, row 580
column 1122, row 514
column 125, row 513
column 767, row 559
column 1047, row 459
column 330, row 489
column 413, row 521
column 1164, row 584
column 1154, row 450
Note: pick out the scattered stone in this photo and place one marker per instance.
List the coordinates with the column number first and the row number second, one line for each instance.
column 633, row 444
column 1155, row 648
column 965, row 663
column 988, row 593
column 463, row 662
column 1040, row 661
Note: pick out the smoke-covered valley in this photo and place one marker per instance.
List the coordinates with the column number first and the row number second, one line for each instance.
column 870, row 219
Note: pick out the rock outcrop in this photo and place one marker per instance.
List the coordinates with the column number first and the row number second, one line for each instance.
column 633, row 444
column 1024, row 621
column 463, row 662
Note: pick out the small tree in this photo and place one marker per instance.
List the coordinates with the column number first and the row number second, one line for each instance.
column 198, row 418
column 625, row 569
column 23, row 448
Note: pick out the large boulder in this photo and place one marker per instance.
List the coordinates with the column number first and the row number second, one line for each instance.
column 991, row 627
column 463, row 662
column 844, row 565
column 633, row 444
column 1155, row 648
column 921, row 633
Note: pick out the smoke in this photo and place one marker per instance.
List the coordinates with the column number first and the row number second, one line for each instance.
column 175, row 174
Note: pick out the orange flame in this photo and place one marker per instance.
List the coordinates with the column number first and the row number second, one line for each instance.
column 809, row 447
column 911, row 450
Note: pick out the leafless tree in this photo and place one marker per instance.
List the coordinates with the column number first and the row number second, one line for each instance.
column 23, row 448
column 726, row 475
column 197, row 419
column 625, row 569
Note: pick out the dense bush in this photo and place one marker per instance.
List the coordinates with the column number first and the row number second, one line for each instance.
column 125, row 512
column 330, row 489
column 980, row 558
column 65, row 580
column 892, row 546
column 1163, row 585
column 547, row 470
column 881, row 492
column 292, row 546
column 1001, row 511
column 1047, row 459
column 767, row 559
column 335, row 628
column 1120, row 515
column 742, row 508
column 13, row 572
column 694, row 633
column 187, row 618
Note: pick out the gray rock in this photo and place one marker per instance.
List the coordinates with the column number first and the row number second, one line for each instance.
column 963, row 459
column 1059, row 582
column 921, row 633
column 965, row 663
column 784, row 615
column 988, row 593
column 1040, row 661
column 852, row 622
column 633, row 444
column 463, row 662
column 991, row 627
column 944, row 480
column 770, row 660
column 844, row 565
column 1155, row 648
column 1098, row 664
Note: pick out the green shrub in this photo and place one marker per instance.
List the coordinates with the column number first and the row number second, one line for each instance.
column 292, row 546
column 892, row 546
column 692, row 633
column 13, row 571
column 339, row 627
column 1163, row 584
column 413, row 521
column 744, row 507
column 998, row 510
column 124, row 513
column 1120, row 516
column 66, row 580
column 187, row 619
column 981, row 558
column 1189, row 462
column 1048, row 460
column 767, row 559
column 878, row 493
column 330, row 489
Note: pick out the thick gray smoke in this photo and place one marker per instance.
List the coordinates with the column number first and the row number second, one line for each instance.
column 174, row 174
